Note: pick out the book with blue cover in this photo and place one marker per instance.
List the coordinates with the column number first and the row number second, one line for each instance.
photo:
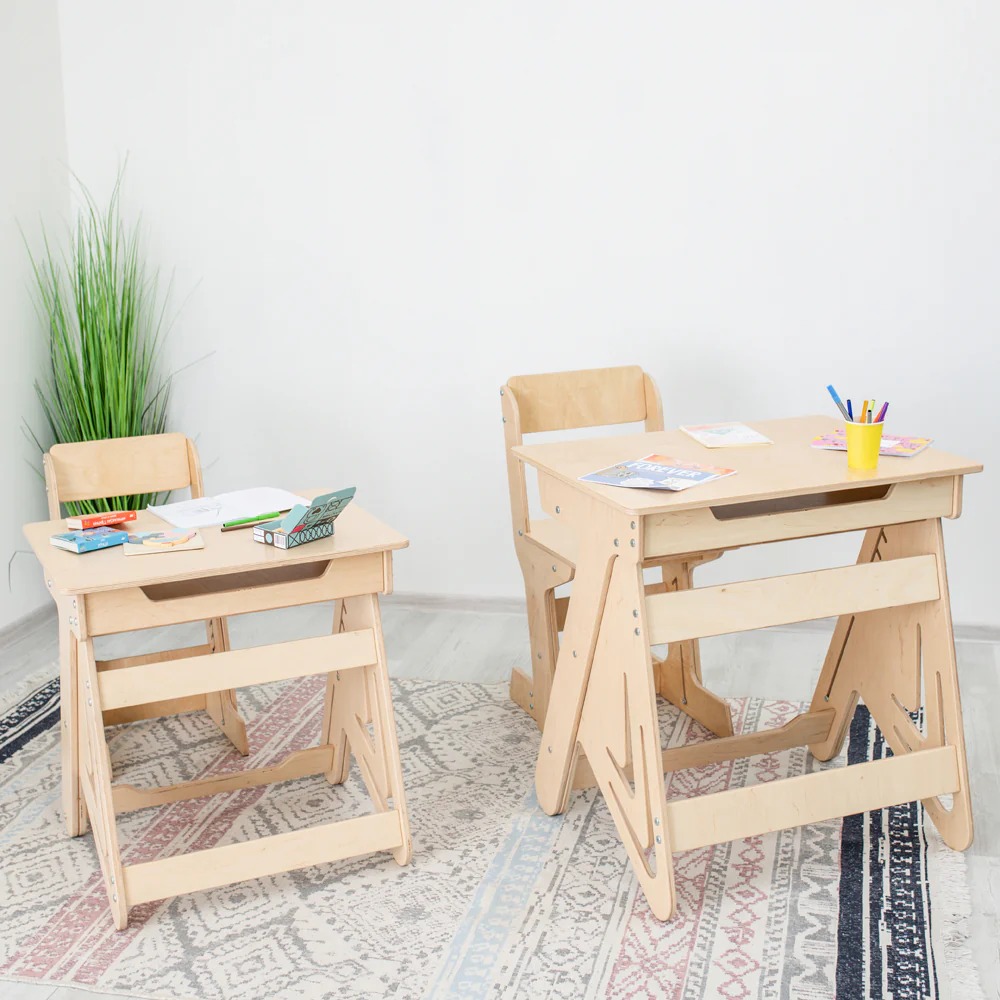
column 657, row 472
column 89, row 539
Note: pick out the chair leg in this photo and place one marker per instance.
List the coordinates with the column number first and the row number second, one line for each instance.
column 678, row 675
column 532, row 692
column 221, row 705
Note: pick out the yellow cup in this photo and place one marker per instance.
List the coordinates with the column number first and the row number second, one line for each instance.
column 863, row 443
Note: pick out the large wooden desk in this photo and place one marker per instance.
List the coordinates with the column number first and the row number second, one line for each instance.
column 105, row 592
column 893, row 638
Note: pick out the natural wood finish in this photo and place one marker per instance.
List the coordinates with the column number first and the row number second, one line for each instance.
column 358, row 698
column 594, row 397
column 300, row 764
column 918, row 648
column 358, row 533
column 893, row 645
column 547, row 548
column 257, row 665
column 681, row 531
column 93, row 470
column 810, row 798
column 281, row 852
column 160, row 656
column 158, row 709
column 781, row 600
column 803, row 729
column 242, row 592
column 788, row 468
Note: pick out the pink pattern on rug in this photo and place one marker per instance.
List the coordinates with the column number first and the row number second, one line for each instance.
column 654, row 958
column 85, row 919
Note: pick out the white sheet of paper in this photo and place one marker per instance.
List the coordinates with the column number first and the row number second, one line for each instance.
column 206, row 511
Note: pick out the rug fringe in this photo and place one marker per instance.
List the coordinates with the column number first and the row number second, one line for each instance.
column 16, row 694
column 950, row 886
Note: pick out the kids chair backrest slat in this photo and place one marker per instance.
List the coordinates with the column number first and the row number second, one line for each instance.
column 592, row 397
column 93, row 470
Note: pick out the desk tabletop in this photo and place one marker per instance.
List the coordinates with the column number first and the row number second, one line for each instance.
column 357, row 533
column 789, row 467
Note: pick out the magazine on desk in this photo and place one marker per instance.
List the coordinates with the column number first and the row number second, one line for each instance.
column 657, row 472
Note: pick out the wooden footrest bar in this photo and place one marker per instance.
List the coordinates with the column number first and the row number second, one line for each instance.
column 265, row 856
column 739, row 607
column 149, row 682
column 300, row 764
column 809, row 727
column 810, row 798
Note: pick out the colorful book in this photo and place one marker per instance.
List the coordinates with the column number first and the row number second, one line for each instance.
column 89, row 540
column 100, row 520
column 305, row 522
column 657, row 472
column 726, row 435
column 892, row 446
column 143, row 543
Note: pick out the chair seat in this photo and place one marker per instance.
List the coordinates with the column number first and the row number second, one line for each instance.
column 556, row 537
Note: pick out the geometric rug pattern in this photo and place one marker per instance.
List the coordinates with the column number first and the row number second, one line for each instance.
column 499, row 900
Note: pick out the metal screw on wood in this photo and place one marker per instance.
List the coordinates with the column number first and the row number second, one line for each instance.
column 637, row 630
column 631, row 542
column 635, row 612
column 520, row 532
column 553, row 567
column 550, row 749
column 616, row 543
column 633, row 525
column 558, row 509
column 574, row 652
column 659, row 839
column 656, row 821
column 501, row 392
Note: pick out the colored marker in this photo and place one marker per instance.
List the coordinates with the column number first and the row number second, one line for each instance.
column 850, row 412
column 881, row 414
column 833, row 392
column 864, row 410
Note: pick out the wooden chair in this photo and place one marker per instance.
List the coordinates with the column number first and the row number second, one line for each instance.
column 546, row 549
column 157, row 463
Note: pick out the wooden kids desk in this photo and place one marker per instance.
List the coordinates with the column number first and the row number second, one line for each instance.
column 893, row 637
column 101, row 593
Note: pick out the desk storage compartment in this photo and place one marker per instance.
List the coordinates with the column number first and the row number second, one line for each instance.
column 752, row 523
column 279, row 586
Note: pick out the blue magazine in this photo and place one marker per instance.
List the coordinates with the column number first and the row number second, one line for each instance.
column 657, row 472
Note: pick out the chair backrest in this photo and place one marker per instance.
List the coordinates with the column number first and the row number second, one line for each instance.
column 115, row 467
column 559, row 401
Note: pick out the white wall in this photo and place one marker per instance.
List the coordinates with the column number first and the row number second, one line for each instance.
column 32, row 189
column 386, row 209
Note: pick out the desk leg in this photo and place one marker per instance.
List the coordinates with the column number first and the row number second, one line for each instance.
column 74, row 808
column 678, row 674
column 357, row 699
column 604, row 701
column 221, row 705
column 898, row 660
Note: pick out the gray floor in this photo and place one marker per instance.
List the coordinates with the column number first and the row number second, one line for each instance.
column 481, row 643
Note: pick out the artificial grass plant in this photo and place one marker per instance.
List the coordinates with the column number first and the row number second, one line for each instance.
column 99, row 303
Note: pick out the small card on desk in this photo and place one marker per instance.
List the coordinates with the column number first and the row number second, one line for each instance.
column 304, row 524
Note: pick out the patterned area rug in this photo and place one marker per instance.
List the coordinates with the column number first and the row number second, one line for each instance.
column 500, row 899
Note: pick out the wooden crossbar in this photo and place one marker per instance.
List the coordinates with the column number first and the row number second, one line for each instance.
column 739, row 607
column 808, row 727
column 236, row 668
column 810, row 798
column 182, row 653
column 300, row 764
column 281, row 852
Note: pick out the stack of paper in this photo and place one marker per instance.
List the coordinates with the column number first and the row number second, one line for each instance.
column 206, row 511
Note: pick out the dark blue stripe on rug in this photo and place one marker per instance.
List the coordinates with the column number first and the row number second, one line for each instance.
column 29, row 718
column 883, row 862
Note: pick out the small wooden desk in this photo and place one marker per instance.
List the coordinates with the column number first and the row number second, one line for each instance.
column 101, row 593
column 893, row 637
